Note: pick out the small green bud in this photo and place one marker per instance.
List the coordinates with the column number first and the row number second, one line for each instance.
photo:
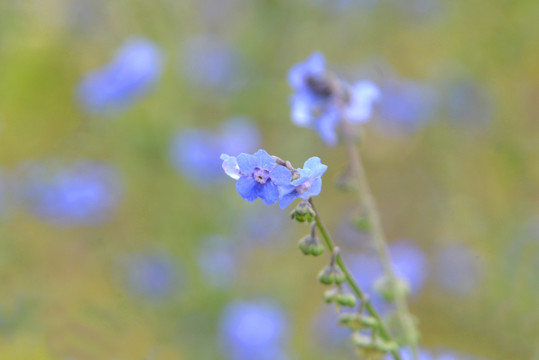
column 358, row 322
column 374, row 344
column 345, row 299
column 303, row 212
column 391, row 290
column 310, row 245
column 331, row 274
column 330, row 295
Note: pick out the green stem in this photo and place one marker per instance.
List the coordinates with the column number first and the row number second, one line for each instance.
column 367, row 199
column 351, row 281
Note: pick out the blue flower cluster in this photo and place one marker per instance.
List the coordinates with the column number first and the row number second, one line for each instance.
column 135, row 69
column 323, row 102
column 254, row 330
column 260, row 176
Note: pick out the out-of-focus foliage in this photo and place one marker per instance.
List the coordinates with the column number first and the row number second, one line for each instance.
column 119, row 239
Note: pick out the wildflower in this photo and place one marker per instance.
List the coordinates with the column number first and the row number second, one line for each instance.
column 194, row 152
column 322, row 101
column 217, row 261
column 153, row 276
column 458, row 269
column 211, row 63
column 308, row 184
column 85, row 193
column 135, row 69
column 253, row 330
column 258, row 176
column 406, row 106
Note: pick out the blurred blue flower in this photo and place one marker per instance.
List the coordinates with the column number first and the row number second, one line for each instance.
column 406, row 105
column 409, row 261
column 308, row 184
column 152, row 276
column 321, row 101
column 211, row 63
column 468, row 103
column 195, row 152
column 457, row 269
column 84, row 193
column 3, row 194
column 136, row 67
column 217, row 261
column 329, row 335
column 259, row 224
column 257, row 176
column 407, row 354
column 253, row 330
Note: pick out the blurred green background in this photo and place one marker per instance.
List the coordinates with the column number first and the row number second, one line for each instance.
column 468, row 177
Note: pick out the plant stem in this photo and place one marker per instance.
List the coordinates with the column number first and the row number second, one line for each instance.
column 368, row 201
column 351, row 281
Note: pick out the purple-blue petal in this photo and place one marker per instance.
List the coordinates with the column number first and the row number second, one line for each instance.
column 247, row 163
column 280, row 176
column 247, row 188
column 300, row 110
column 287, row 199
column 363, row 96
column 264, row 160
column 230, row 166
column 326, row 128
column 315, row 165
column 269, row 193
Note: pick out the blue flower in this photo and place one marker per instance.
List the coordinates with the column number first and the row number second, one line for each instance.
column 217, row 261
column 321, row 101
column 457, row 269
column 409, row 261
column 195, row 152
column 135, row 69
column 253, row 330
column 406, row 106
column 258, row 176
column 153, row 276
column 308, row 184
column 209, row 62
column 407, row 354
column 85, row 193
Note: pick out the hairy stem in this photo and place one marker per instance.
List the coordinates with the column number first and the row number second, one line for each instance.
column 351, row 281
column 367, row 199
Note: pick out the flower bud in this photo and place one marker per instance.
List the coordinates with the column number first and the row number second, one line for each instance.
column 303, row 212
column 391, row 290
column 377, row 344
column 331, row 274
column 345, row 299
column 330, row 295
column 358, row 322
column 311, row 245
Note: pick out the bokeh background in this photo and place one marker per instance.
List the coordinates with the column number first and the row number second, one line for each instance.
column 120, row 238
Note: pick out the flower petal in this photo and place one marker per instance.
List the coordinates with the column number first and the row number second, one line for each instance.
column 280, row 175
column 363, row 95
column 247, row 188
column 264, row 160
column 315, row 165
column 326, row 127
column 287, row 199
column 247, row 163
column 230, row 166
column 269, row 193
column 300, row 110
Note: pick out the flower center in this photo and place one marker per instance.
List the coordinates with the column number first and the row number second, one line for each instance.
column 261, row 176
column 320, row 86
